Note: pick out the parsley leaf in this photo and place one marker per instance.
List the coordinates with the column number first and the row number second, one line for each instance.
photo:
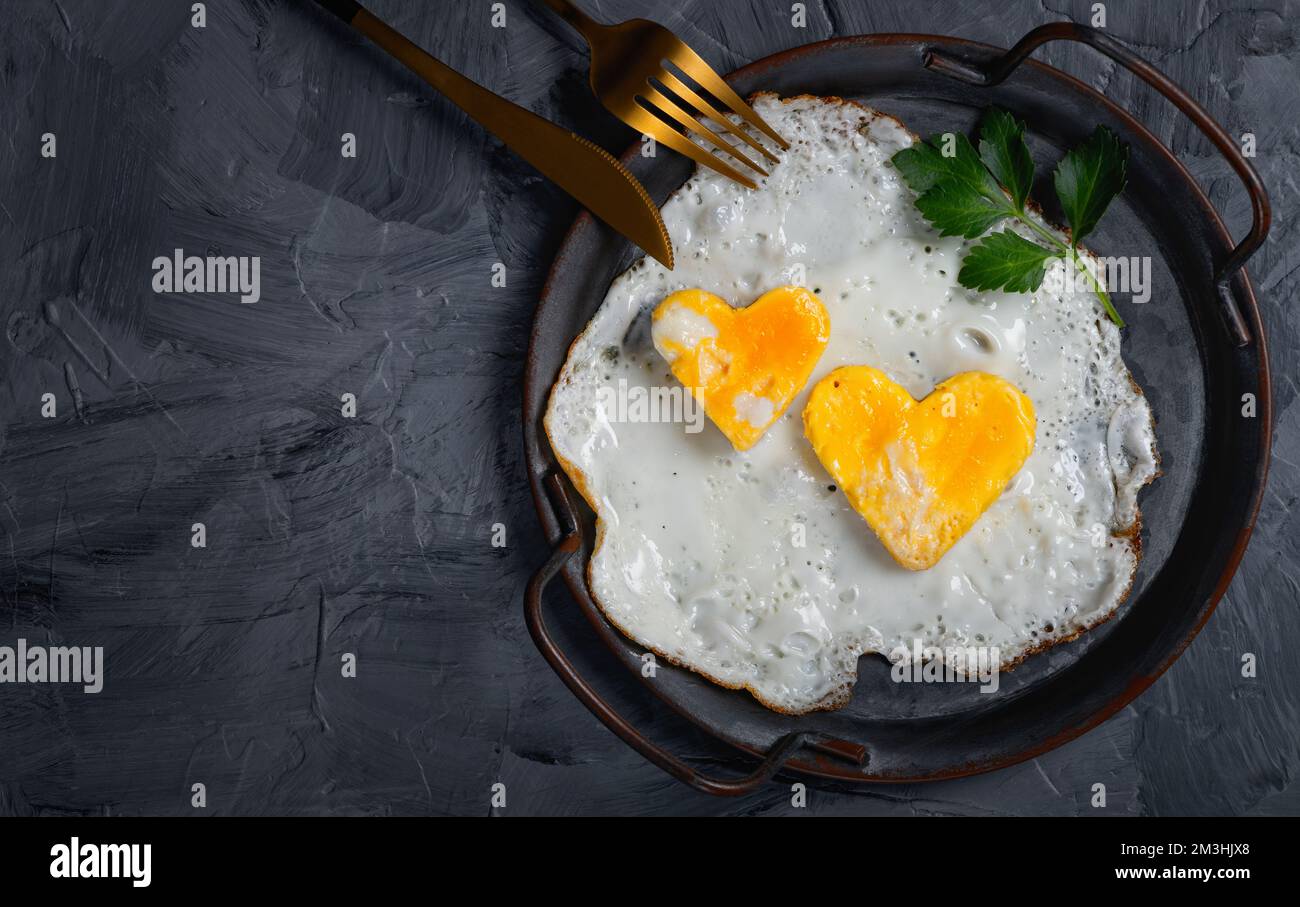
column 924, row 165
column 1005, row 261
column 1088, row 178
column 955, row 209
column 958, row 195
column 1004, row 152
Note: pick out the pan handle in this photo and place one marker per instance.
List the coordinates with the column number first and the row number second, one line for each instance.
column 781, row 752
column 995, row 71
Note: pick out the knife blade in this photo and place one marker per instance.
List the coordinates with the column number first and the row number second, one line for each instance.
column 587, row 172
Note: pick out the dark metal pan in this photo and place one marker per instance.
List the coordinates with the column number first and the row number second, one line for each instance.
column 1197, row 349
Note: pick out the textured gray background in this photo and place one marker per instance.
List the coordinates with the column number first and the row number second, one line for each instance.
column 371, row 535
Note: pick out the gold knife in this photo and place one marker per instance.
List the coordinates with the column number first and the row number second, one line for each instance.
column 580, row 168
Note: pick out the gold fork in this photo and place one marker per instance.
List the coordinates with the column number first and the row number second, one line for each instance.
column 630, row 76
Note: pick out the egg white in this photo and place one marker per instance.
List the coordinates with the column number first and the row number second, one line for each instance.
column 698, row 557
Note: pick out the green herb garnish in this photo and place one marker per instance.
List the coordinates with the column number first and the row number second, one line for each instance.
column 964, row 192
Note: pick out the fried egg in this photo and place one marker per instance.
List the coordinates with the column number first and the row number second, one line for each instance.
column 763, row 552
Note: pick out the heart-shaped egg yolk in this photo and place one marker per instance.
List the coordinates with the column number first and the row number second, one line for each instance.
column 744, row 365
column 921, row 474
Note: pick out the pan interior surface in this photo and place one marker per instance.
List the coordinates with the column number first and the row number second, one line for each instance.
column 1174, row 345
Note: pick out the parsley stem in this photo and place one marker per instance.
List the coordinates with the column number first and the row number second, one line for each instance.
column 1071, row 255
column 1096, row 288
column 1056, row 243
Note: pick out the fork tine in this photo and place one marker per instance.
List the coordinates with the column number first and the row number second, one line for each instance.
column 642, row 120
column 687, row 94
column 668, row 107
column 691, row 63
